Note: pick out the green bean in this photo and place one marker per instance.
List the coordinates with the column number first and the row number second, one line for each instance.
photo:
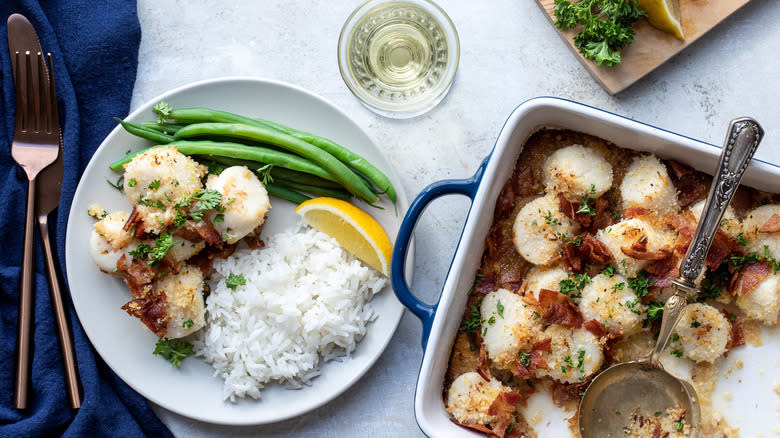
column 343, row 174
column 144, row 132
column 279, row 173
column 317, row 191
column 345, row 155
column 165, row 128
column 282, row 192
column 213, row 149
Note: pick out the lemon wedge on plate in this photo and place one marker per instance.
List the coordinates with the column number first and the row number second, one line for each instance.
column 664, row 15
column 354, row 229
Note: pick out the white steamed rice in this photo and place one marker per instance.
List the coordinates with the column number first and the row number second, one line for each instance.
column 305, row 301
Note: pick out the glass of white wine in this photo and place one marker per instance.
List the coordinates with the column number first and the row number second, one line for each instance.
column 399, row 57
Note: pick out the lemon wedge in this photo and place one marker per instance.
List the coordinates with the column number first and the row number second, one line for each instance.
column 664, row 15
column 354, row 229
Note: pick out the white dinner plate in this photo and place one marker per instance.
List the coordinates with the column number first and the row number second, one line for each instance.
column 126, row 344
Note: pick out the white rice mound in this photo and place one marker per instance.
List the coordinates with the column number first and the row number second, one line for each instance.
column 305, row 301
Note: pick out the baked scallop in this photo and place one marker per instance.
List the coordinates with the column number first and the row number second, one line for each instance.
column 703, row 333
column 577, row 171
column 729, row 224
column 627, row 232
column 184, row 298
column 539, row 278
column 763, row 302
column 509, row 325
column 470, row 397
column 752, row 226
column 575, row 355
column 108, row 241
column 610, row 301
column 539, row 230
column 245, row 200
column 646, row 184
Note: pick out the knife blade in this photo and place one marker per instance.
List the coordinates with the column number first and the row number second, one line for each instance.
column 23, row 37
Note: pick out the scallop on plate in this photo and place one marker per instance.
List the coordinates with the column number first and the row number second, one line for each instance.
column 126, row 344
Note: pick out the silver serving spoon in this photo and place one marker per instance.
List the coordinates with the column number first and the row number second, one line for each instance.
column 644, row 383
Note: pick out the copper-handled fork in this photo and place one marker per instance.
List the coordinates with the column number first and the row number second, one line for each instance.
column 35, row 146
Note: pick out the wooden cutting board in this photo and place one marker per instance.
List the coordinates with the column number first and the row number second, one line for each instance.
column 651, row 47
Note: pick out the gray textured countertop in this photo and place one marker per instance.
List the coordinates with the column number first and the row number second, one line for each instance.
column 509, row 53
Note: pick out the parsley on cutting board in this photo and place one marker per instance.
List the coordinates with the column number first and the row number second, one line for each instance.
column 605, row 26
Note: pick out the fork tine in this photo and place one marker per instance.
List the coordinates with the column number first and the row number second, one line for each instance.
column 45, row 89
column 34, row 92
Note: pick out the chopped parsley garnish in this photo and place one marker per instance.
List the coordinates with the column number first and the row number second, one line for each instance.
column 161, row 246
column 218, row 219
column 695, row 323
column 641, row 284
column 587, row 206
column 118, row 184
column 581, row 361
column 569, row 286
column 500, row 309
column 180, row 220
column 525, row 359
column 592, row 189
column 678, row 425
column 618, row 286
column 140, row 251
column 677, row 352
column 609, row 271
column 188, row 324
column 132, row 182
column 510, row 428
column 655, row 311
column 741, row 239
column 173, row 350
column 233, row 281
column 549, row 219
column 197, row 215
column 675, row 337
column 154, row 185
column 631, row 304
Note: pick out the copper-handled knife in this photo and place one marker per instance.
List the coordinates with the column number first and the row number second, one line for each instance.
column 22, row 37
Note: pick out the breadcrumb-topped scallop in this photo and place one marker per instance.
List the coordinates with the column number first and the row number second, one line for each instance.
column 508, row 326
column 543, row 278
column 646, row 184
column 470, row 396
column 756, row 239
column 576, row 171
column 610, row 301
column 625, row 234
column 763, row 302
column 703, row 332
column 538, row 230
column 575, row 354
column 108, row 241
column 184, row 296
column 245, row 200
column 183, row 249
column 156, row 179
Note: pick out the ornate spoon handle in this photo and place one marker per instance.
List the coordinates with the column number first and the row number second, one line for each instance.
column 741, row 142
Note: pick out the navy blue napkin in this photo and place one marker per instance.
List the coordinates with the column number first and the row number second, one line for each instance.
column 94, row 45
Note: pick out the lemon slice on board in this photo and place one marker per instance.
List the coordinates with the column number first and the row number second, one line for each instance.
column 664, row 15
column 354, row 229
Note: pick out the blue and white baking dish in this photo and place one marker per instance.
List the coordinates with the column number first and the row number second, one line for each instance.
column 744, row 390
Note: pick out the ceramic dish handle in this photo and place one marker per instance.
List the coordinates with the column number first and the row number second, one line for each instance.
column 424, row 311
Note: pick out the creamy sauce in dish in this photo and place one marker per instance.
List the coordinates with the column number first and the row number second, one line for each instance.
column 585, row 239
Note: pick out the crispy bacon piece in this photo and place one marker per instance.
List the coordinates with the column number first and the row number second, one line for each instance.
column 595, row 327
column 737, row 336
column 563, row 392
column 545, row 345
column 151, row 310
column 722, row 243
column 504, row 407
column 638, row 250
column 690, row 185
column 486, row 284
column 529, row 363
column 678, row 169
column 772, row 225
column 478, row 427
column 571, row 257
column 506, row 201
column 594, row 251
column 559, row 309
column 752, row 275
column 134, row 223
column 603, row 217
column 483, row 368
column 138, row 276
column 633, row 212
column 205, row 229
column 569, row 209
